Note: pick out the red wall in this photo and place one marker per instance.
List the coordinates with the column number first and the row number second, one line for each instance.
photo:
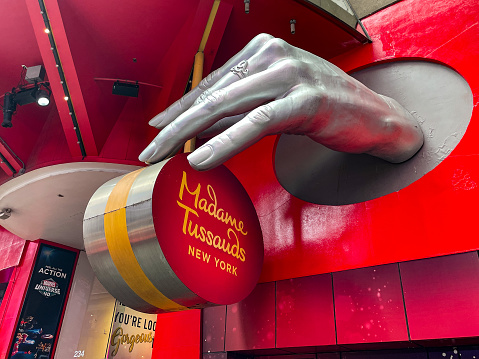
column 450, row 287
column 428, row 302
column 177, row 335
column 431, row 217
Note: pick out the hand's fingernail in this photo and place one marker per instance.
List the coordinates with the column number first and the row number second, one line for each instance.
column 147, row 152
column 201, row 155
column 157, row 120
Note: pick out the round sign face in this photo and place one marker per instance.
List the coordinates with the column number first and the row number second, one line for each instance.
column 208, row 230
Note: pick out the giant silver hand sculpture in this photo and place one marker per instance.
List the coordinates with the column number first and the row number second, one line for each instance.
column 271, row 87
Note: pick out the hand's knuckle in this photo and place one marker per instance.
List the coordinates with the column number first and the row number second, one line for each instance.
column 290, row 65
column 211, row 99
column 261, row 115
column 260, row 40
column 201, row 97
column 208, row 80
column 276, row 48
column 291, row 70
column 316, row 92
column 203, row 85
column 228, row 137
column 181, row 104
column 173, row 129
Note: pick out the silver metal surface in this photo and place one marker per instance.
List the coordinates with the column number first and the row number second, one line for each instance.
column 287, row 90
column 142, row 187
column 97, row 204
column 104, row 268
column 139, row 219
column 143, row 240
column 436, row 95
column 5, row 213
column 99, row 255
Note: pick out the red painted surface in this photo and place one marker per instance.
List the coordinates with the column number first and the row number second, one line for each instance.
column 51, row 145
column 369, row 305
column 53, row 76
column 416, row 222
column 208, row 230
column 178, row 336
column 13, row 300
column 99, row 51
column 216, row 35
column 11, row 248
column 71, row 77
column 309, row 24
column 442, row 296
column 6, row 169
column 10, row 159
column 305, row 312
column 214, row 327
column 250, row 324
column 127, row 131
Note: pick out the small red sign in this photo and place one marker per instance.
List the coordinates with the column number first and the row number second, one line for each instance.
column 208, row 230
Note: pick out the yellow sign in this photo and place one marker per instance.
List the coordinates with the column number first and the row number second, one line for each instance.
column 132, row 334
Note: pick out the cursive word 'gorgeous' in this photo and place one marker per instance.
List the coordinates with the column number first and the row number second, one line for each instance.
column 118, row 338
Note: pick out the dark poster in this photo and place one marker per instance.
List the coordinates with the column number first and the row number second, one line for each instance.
column 37, row 328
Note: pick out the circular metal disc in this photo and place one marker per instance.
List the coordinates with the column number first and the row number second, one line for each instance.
column 436, row 95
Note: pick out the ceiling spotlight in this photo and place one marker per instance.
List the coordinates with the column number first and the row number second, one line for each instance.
column 66, row 98
column 37, row 91
column 47, row 31
column 42, row 97
column 125, row 89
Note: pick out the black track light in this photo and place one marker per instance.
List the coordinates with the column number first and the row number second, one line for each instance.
column 39, row 93
column 9, row 107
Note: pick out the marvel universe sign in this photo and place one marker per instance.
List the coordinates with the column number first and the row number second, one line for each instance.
column 48, row 287
column 37, row 326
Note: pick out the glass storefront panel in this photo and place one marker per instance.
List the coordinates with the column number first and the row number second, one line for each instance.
column 112, row 330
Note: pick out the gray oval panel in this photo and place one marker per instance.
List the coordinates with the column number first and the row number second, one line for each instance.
column 436, row 95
